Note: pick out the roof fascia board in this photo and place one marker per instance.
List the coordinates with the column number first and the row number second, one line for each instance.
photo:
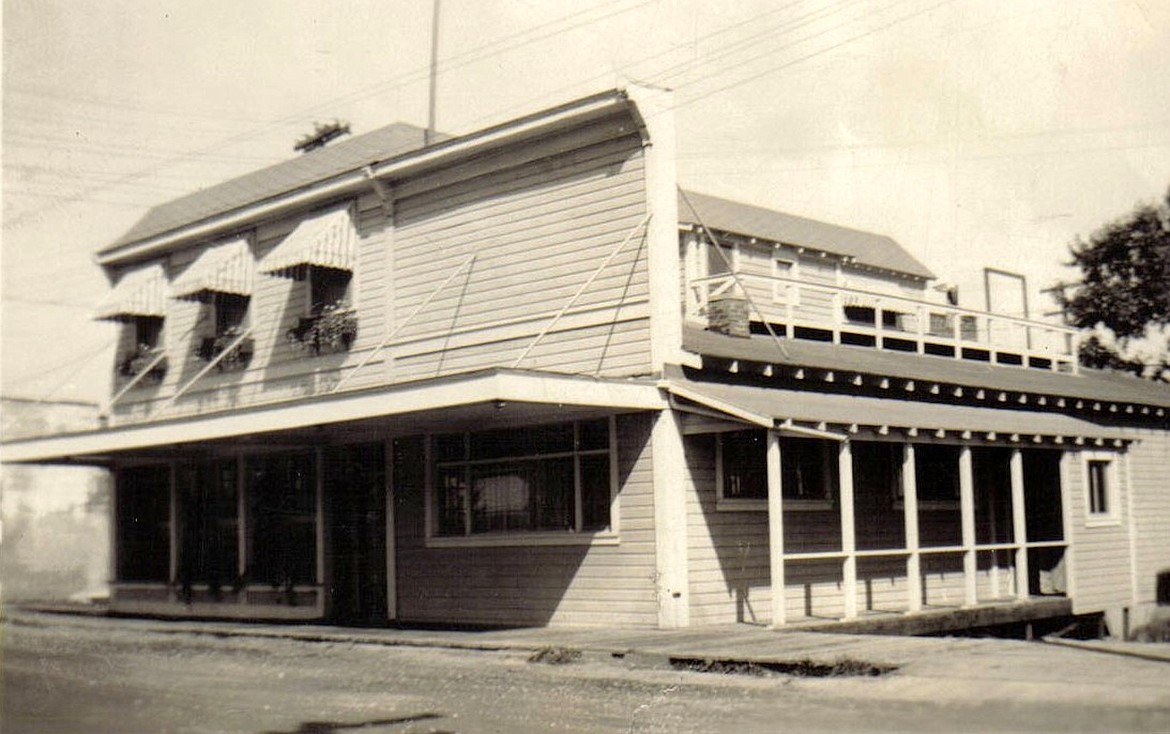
column 520, row 387
column 359, row 178
column 720, row 406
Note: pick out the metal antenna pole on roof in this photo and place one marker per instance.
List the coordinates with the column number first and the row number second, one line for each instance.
column 731, row 269
column 429, row 135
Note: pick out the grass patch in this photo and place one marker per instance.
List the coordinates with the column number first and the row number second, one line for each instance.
column 803, row 668
column 555, row 655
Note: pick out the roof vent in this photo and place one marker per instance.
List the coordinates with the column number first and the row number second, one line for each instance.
column 322, row 134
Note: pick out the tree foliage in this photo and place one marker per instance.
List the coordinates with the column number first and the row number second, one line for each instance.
column 1123, row 296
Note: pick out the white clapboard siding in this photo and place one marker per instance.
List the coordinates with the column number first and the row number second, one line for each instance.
column 1149, row 470
column 538, row 234
column 1101, row 568
column 603, row 585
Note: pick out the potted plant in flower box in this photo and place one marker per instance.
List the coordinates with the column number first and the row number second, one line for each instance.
column 333, row 329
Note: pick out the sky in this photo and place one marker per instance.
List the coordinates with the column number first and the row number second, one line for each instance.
column 975, row 133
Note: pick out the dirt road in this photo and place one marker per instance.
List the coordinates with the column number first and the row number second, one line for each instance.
column 59, row 678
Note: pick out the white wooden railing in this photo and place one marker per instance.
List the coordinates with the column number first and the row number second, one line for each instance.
column 899, row 322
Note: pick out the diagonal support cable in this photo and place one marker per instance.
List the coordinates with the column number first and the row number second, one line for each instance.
column 581, row 290
column 739, row 283
column 389, row 337
column 206, row 368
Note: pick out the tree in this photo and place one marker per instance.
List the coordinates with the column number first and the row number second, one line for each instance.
column 1123, row 296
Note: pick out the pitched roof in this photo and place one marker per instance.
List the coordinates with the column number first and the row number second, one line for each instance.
column 866, row 248
column 1087, row 384
column 318, row 165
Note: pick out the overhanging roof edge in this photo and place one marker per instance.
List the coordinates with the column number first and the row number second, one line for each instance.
column 498, row 384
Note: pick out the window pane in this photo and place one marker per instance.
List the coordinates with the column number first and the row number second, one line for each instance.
column 523, row 496
column 595, row 493
column 593, row 435
column 718, row 257
column 209, row 549
column 936, row 472
column 230, row 310
column 806, row 472
column 282, row 501
column 329, row 287
column 452, row 447
column 449, row 490
column 515, row 442
column 1098, row 487
column 745, row 467
column 144, row 535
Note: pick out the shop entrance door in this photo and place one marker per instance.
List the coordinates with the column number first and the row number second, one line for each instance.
column 355, row 512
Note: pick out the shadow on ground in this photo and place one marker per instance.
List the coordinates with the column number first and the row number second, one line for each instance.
column 332, row 727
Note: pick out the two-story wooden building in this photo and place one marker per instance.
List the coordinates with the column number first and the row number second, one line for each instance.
column 521, row 377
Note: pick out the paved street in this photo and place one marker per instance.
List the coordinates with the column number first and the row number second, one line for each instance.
column 61, row 675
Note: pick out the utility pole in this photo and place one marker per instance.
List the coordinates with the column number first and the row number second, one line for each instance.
column 429, row 136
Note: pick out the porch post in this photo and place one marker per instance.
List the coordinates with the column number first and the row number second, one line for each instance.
column 910, row 508
column 670, row 520
column 776, row 529
column 242, row 526
column 1019, row 524
column 967, row 512
column 319, row 481
column 848, row 531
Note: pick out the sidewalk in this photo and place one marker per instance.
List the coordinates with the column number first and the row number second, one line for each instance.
column 963, row 670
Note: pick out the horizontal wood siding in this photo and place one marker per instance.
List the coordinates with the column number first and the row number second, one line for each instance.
column 1101, row 554
column 602, row 585
column 727, row 552
column 1149, row 473
column 538, row 233
column 540, row 220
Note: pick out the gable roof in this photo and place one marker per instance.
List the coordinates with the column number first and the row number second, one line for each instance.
column 318, row 165
column 866, row 248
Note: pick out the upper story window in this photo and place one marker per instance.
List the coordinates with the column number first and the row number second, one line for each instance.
column 321, row 253
column 1101, row 488
column 785, row 268
column 145, row 352
column 220, row 279
column 550, row 479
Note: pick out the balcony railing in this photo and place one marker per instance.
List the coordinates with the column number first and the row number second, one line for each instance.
column 843, row 315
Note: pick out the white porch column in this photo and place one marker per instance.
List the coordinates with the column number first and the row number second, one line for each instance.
column 967, row 513
column 670, row 520
column 848, row 530
column 1019, row 523
column 776, row 529
column 910, row 508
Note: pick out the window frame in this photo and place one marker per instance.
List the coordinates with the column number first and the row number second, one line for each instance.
column 1112, row 491
column 576, row 536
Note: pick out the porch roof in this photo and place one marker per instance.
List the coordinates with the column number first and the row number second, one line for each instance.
column 503, row 396
column 771, row 407
column 1087, row 384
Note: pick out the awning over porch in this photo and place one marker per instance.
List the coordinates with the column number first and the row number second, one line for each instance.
column 225, row 268
column 499, row 395
column 768, row 408
column 139, row 292
column 327, row 240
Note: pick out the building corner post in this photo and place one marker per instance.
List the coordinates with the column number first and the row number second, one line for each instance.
column 670, row 521
column 654, row 109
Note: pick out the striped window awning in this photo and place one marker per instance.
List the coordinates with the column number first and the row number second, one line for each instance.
column 139, row 292
column 224, row 268
column 327, row 240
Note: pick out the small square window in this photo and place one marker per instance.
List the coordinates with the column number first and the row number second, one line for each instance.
column 784, row 271
column 328, row 288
